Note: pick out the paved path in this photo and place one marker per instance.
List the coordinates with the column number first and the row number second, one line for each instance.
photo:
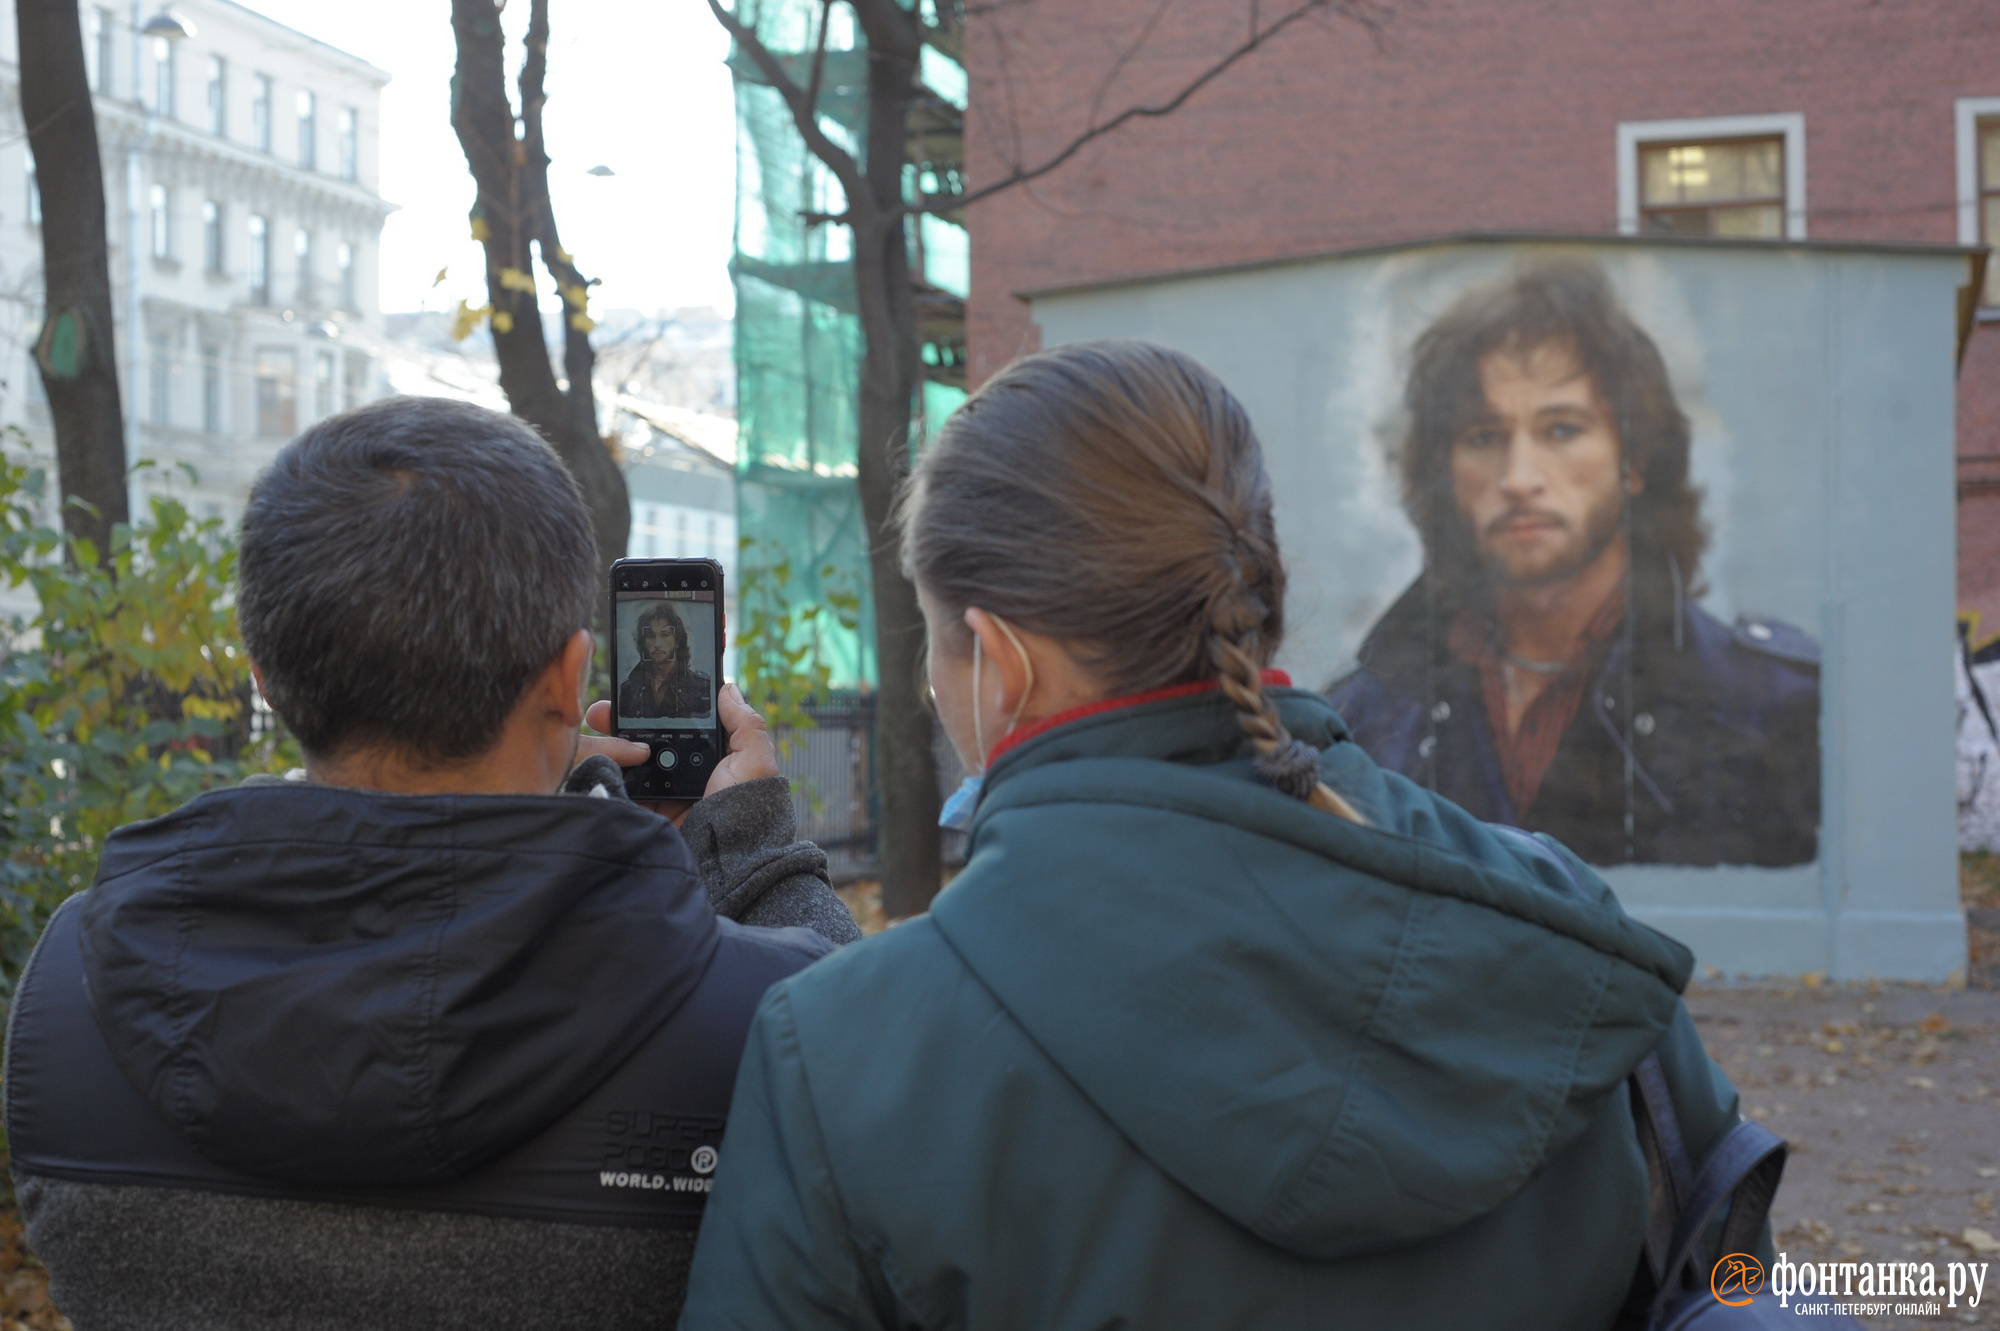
column 1890, row 1098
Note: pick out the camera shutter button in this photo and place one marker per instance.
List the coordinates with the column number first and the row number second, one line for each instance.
column 667, row 758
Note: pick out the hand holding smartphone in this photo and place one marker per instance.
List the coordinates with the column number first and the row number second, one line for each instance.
column 666, row 672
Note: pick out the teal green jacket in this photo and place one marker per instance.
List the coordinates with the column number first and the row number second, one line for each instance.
column 1177, row 1050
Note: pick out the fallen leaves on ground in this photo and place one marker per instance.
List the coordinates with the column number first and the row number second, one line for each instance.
column 24, row 1283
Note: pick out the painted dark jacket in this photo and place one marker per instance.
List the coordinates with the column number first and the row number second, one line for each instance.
column 1720, row 727
column 688, row 693
column 1177, row 1050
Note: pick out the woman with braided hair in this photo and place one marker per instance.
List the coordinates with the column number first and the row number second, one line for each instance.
column 1221, row 1025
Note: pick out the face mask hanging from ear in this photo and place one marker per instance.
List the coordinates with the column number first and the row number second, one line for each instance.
column 956, row 815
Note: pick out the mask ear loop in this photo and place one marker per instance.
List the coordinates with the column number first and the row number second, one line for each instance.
column 1027, row 664
column 978, row 705
column 978, row 711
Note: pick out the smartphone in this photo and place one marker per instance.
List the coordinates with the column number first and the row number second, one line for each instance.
column 667, row 631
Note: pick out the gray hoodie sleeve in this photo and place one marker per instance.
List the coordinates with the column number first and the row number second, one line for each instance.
column 755, row 873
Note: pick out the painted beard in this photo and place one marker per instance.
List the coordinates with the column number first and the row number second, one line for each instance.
column 1567, row 558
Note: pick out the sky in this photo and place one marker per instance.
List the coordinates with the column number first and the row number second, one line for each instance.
column 636, row 85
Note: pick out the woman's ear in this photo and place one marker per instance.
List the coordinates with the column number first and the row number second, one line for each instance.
column 1006, row 662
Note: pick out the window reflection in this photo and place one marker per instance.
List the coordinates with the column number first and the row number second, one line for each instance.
column 1989, row 201
column 1733, row 188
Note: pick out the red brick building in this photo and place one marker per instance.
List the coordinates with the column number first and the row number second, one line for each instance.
column 1849, row 120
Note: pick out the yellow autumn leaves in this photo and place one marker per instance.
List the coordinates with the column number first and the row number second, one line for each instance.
column 467, row 317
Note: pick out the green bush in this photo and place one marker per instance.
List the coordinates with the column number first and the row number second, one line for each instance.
column 126, row 694
column 779, row 661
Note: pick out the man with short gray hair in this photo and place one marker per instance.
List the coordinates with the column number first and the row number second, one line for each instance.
column 426, row 1036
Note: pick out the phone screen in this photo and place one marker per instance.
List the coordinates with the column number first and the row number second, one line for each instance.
column 666, row 664
column 669, row 657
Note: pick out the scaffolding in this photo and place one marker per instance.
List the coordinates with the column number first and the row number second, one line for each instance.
column 798, row 335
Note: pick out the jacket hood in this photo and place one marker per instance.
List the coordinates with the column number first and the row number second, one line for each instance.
column 1344, row 1038
column 346, row 988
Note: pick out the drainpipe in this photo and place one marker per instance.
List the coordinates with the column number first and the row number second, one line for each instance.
column 134, row 240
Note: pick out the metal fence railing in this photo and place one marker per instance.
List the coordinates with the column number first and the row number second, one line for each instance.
column 831, row 765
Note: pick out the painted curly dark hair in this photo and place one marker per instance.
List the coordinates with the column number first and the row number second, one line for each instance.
column 1567, row 302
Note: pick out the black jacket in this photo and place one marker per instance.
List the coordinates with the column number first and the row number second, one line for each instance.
column 516, row 1008
column 1695, row 742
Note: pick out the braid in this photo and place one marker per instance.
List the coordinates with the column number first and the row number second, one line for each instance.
column 1288, row 763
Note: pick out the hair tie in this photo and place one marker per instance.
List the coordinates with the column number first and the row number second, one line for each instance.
column 1292, row 767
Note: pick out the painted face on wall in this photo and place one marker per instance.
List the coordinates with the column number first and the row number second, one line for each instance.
column 1537, row 475
column 661, row 644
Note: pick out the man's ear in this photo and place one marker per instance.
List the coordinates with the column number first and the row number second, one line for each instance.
column 563, row 682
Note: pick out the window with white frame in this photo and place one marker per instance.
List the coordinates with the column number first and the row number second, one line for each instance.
column 350, row 299
column 1731, row 177
column 260, row 260
column 164, row 100
column 260, row 113
column 302, row 250
column 324, row 381
column 277, row 391
column 308, row 130
column 162, row 404
column 218, row 96
column 1979, row 184
column 101, row 50
column 354, row 381
column 162, row 214
column 1989, row 198
column 350, row 144
column 212, row 250
column 211, row 387
column 1728, row 187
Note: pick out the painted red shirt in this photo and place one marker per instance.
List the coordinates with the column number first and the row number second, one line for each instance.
column 1526, row 754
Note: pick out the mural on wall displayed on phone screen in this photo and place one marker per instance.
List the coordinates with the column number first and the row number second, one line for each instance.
column 670, row 639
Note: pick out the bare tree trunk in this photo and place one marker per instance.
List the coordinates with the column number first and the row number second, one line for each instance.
column 513, row 213
column 74, row 352
column 910, row 850
column 877, row 212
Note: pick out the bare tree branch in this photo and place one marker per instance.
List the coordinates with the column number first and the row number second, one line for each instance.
column 579, row 359
column 1007, row 136
column 819, row 53
column 1358, row 12
column 1125, row 56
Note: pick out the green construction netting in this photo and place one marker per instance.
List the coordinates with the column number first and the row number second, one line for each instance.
column 798, row 340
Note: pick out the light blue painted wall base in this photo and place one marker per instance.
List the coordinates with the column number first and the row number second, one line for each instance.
column 1771, row 922
column 1925, row 947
